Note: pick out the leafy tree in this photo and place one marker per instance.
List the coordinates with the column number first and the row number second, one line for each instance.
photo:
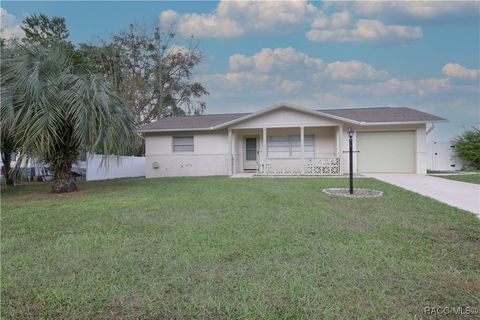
column 62, row 109
column 467, row 147
column 44, row 31
column 151, row 72
column 40, row 29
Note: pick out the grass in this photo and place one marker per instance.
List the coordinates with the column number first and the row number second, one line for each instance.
column 471, row 178
column 218, row 248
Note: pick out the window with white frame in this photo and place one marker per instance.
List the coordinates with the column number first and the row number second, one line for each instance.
column 183, row 144
column 290, row 146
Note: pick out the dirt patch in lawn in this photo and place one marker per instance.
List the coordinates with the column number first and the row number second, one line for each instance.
column 357, row 192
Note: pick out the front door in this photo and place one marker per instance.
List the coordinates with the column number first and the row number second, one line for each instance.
column 251, row 154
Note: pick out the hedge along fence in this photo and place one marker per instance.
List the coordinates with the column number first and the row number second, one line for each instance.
column 114, row 168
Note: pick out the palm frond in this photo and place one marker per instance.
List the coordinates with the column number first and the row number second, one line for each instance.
column 59, row 109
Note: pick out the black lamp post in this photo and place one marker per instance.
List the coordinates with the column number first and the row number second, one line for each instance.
column 350, row 154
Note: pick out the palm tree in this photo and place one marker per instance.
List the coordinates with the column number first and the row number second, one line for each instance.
column 8, row 141
column 62, row 109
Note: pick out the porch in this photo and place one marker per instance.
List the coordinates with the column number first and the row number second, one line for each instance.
column 286, row 151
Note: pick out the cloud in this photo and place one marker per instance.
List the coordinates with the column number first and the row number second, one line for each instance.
column 268, row 60
column 365, row 30
column 321, row 100
column 336, row 20
column 288, row 86
column 276, row 60
column 353, row 70
column 357, row 21
column 239, row 82
column 394, row 86
column 416, row 12
column 236, row 18
column 455, row 70
column 10, row 26
column 274, row 71
column 201, row 26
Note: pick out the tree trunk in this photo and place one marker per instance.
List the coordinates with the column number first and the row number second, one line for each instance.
column 64, row 182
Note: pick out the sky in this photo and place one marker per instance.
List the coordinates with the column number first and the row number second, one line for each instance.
column 424, row 55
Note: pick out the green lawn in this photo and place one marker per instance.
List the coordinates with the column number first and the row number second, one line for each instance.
column 472, row 178
column 218, row 248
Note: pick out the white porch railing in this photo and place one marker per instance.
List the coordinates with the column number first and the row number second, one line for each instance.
column 311, row 167
column 322, row 166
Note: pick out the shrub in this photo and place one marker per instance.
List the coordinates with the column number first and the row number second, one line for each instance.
column 467, row 147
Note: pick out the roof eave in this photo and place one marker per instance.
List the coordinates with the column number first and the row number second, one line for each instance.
column 174, row 130
column 383, row 123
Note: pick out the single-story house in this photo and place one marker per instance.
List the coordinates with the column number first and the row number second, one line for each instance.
column 288, row 140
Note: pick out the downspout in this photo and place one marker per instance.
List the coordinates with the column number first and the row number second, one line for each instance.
column 430, row 129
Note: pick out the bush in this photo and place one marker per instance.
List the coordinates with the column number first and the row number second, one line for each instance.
column 467, row 147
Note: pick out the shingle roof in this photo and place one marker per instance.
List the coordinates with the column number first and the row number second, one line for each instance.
column 204, row 121
column 369, row 115
column 386, row 114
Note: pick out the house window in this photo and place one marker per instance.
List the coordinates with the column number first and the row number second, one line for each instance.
column 183, row 144
column 290, row 146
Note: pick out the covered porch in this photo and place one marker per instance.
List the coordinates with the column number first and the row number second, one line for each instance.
column 286, row 151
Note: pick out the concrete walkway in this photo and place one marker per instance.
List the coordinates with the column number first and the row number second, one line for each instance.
column 458, row 194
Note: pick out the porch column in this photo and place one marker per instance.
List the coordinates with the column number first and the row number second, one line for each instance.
column 264, row 140
column 302, row 149
column 340, row 146
column 229, row 164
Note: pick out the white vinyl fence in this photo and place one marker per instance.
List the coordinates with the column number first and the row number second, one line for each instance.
column 116, row 167
column 442, row 157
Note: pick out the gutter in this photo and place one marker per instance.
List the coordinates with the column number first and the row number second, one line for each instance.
column 399, row 122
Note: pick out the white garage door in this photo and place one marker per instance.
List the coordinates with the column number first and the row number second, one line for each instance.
column 386, row 151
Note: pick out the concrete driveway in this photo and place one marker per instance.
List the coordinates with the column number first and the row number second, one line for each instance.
column 458, row 194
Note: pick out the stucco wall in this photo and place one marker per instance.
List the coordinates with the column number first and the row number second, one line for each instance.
column 325, row 142
column 210, row 155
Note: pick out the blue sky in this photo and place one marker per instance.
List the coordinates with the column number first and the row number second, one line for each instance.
column 423, row 55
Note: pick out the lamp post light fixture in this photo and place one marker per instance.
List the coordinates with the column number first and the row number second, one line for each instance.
column 350, row 154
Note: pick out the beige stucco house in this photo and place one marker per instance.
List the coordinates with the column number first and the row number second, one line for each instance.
column 288, row 140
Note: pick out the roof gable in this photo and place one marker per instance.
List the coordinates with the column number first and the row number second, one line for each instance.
column 289, row 107
column 282, row 116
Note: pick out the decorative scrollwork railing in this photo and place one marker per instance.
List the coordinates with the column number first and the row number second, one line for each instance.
column 312, row 167
column 322, row 166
